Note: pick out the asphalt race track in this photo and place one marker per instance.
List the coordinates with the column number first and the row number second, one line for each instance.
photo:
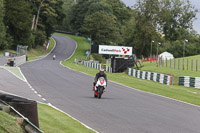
column 121, row 109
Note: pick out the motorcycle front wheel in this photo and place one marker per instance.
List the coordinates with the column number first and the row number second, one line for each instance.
column 95, row 96
column 100, row 91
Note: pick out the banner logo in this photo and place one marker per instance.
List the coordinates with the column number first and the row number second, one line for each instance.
column 115, row 50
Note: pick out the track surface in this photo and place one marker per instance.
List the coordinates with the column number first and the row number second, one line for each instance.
column 121, row 109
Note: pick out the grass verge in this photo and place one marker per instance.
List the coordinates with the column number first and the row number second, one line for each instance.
column 8, row 124
column 190, row 95
column 175, row 72
column 34, row 54
column 54, row 121
column 2, row 52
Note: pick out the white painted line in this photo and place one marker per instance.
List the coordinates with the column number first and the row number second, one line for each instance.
column 39, row 95
column 43, row 99
column 22, row 74
column 14, row 74
column 49, row 104
column 35, row 92
column 33, row 89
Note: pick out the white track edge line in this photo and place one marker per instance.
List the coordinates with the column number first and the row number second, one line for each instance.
column 14, row 74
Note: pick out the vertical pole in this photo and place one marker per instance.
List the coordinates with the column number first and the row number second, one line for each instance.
column 196, row 65
column 192, row 65
column 151, row 51
column 187, row 64
column 183, row 53
column 90, row 46
column 157, row 55
column 178, row 63
column 174, row 63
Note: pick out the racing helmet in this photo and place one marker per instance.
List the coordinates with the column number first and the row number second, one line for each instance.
column 101, row 71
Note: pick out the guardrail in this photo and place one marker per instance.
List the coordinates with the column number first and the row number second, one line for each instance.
column 188, row 81
column 16, row 61
column 30, row 123
column 92, row 64
column 109, row 69
column 157, row 77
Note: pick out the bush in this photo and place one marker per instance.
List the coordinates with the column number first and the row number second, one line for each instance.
column 40, row 38
column 98, row 57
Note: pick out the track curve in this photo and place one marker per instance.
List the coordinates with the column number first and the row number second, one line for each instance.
column 121, row 109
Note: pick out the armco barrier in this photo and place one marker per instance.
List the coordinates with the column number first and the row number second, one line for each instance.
column 109, row 69
column 157, row 77
column 21, row 107
column 188, row 81
column 18, row 60
column 92, row 64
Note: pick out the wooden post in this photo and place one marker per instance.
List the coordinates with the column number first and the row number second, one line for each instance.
column 192, row 65
column 170, row 62
column 196, row 65
column 178, row 63
column 174, row 63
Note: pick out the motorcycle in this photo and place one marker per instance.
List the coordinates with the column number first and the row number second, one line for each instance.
column 54, row 57
column 99, row 87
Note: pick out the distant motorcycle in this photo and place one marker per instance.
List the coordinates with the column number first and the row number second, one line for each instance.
column 99, row 87
column 54, row 57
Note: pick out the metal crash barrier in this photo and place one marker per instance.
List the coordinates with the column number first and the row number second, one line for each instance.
column 26, row 109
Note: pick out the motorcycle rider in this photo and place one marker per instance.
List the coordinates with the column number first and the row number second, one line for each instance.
column 54, row 57
column 98, row 75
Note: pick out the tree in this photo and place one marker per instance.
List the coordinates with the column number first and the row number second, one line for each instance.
column 2, row 26
column 79, row 12
column 146, row 26
column 87, row 7
column 67, row 11
column 49, row 13
column 42, row 6
column 102, row 27
column 18, row 20
column 119, row 10
column 175, row 15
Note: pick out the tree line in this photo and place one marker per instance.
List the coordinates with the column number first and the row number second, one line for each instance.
column 107, row 22
column 28, row 22
column 111, row 22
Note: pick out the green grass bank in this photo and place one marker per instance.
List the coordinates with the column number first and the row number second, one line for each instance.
column 54, row 121
column 190, row 95
column 174, row 70
column 8, row 124
column 50, row 121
